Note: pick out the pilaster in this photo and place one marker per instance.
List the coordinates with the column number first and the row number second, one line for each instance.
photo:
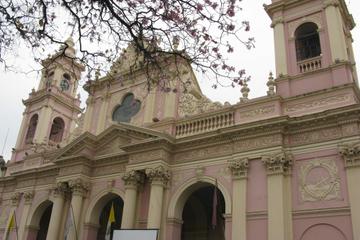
column 279, row 195
column 280, row 50
column 239, row 169
column 351, row 155
column 28, row 197
column 335, row 30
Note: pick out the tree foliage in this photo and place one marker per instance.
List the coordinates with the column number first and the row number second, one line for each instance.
column 202, row 32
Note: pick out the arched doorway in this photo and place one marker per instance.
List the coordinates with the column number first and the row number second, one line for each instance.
column 108, row 201
column 203, row 215
column 44, row 223
column 40, row 220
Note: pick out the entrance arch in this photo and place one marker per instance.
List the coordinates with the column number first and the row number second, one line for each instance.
column 189, row 196
column 99, row 214
column 39, row 222
column 197, row 215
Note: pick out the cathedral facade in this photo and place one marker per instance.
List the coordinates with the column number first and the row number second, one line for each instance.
column 284, row 166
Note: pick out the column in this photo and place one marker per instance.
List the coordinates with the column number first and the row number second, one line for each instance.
column 132, row 180
column 28, row 196
column 280, row 50
column 351, row 156
column 57, row 212
column 239, row 170
column 335, row 30
column 279, row 196
column 159, row 178
column 78, row 188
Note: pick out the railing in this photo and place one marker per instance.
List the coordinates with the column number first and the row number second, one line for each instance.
column 205, row 124
column 309, row 65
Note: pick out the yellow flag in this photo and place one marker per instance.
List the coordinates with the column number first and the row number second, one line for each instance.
column 10, row 225
column 112, row 214
column 110, row 220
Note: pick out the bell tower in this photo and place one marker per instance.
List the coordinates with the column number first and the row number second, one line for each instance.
column 50, row 110
column 313, row 45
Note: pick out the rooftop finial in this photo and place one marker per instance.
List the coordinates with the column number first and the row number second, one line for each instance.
column 245, row 91
column 271, row 85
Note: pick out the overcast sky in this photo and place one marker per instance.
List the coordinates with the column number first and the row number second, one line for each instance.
column 258, row 62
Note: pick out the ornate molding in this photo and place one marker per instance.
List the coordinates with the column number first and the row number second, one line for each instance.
column 158, row 175
column 191, row 105
column 61, row 189
column 28, row 196
column 319, row 180
column 78, row 187
column 279, row 163
column 277, row 21
column 350, row 154
column 15, row 198
column 239, row 168
column 133, row 179
column 328, row 3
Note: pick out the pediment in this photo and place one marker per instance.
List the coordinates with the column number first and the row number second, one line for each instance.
column 110, row 141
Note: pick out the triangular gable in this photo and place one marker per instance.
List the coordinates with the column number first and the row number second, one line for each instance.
column 110, row 140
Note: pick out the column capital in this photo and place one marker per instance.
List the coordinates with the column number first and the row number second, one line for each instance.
column 61, row 189
column 15, row 198
column 328, row 3
column 78, row 186
column 239, row 168
column 133, row 179
column 158, row 175
column 350, row 154
column 278, row 163
column 28, row 196
column 277, row 21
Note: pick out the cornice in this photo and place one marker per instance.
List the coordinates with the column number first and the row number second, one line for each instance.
column 41, row 95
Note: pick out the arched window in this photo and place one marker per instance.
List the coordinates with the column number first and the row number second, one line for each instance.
column 31, row 129
column 307, row 41
column 57, row 130
column 127, row 109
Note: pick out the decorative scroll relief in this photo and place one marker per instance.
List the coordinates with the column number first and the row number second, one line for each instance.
column 319, row 181
column 318, row 103
column 258, row 112
column 316, row 136
column 260, row 142
column 315, row 18
column 209, row 152
column 190, row 105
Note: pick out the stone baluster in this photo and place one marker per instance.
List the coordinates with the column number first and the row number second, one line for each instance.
column 159, row 178
column 351, row 155
column 279, row 198
column 239, row 169
column 132, row 180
